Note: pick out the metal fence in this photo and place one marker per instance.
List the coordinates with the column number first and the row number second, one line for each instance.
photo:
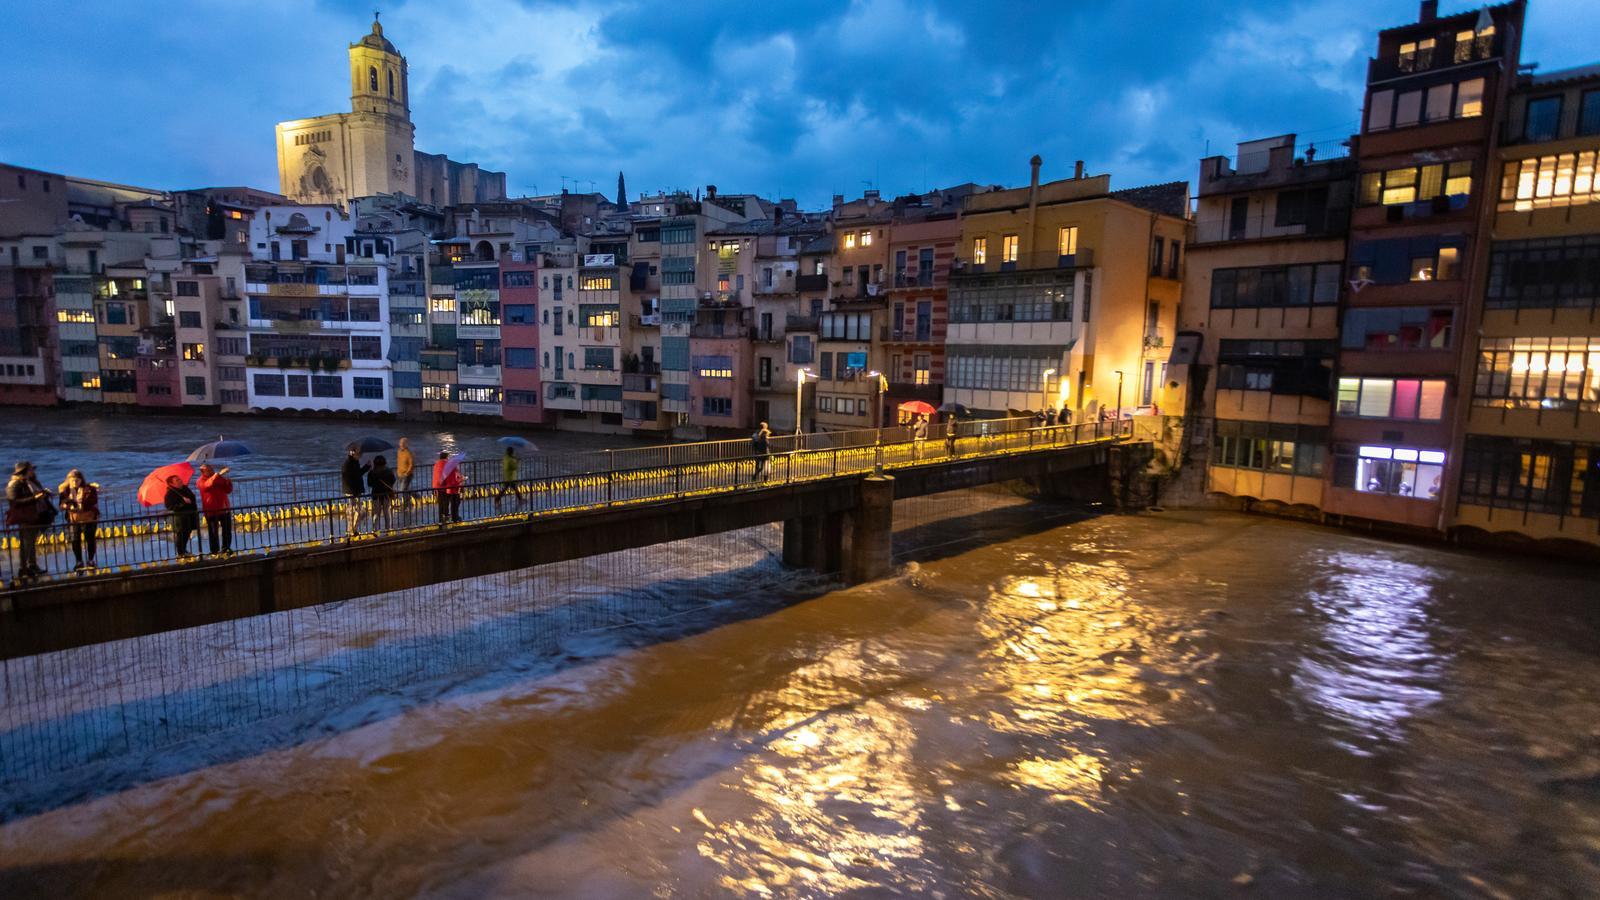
column 546, row 485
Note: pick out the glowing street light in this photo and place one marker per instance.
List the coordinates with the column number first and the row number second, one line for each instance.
column 799, row 391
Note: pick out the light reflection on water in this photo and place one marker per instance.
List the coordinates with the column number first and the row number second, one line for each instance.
column 1177, row 705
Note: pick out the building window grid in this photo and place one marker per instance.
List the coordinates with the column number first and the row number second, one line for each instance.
column 1282, row 448
column 1545, row 273
column 1541, row 182
column 1538, row 373
column 1274, row 286
column 1405, row 399
column 1525, row 475
column 998, row 373
column 1018, row 302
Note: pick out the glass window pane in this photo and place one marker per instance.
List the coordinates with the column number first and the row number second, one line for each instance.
column 1377, row 397
column 1432, row 401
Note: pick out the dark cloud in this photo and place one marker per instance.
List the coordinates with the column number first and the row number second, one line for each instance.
column 801, row 99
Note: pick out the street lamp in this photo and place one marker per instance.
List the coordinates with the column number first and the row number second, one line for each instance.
column 1044, row 390
column 878, row 382
column 799, row 391
column 1119, row 394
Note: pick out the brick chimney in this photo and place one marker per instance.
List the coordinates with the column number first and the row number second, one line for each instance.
column 1429, row 11
column 1077, row 170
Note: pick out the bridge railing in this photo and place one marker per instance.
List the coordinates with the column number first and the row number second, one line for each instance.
column 142, row 539
column 120, row 501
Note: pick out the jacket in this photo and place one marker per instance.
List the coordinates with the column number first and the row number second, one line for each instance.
column 381, row 481
column 81, row 504
column 508, row 467
column 404, row 464
column 22, row 507
column 448, row 484
column 214, row 493
column 180, row 501
column 353, row 476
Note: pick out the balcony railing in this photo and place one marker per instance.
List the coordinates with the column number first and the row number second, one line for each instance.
column 1023, row 262
column 1332, row 222
column 800, row 323
column 907, row 278
column 716, row 331
column 804, row 283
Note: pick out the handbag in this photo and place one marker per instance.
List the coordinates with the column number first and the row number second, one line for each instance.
column 47, row 513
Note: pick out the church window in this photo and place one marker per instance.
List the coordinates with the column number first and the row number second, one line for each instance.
column 391, row 84
column 372, row 78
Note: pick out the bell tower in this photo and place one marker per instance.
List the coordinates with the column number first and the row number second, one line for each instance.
column 382, row 152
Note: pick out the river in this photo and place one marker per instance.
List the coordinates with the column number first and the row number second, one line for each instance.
column 1171, row 705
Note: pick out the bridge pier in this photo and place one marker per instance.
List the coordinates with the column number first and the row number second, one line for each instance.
column 814, row 542
column 870, row 553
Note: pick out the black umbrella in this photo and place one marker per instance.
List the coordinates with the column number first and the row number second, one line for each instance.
column 369, row 445
column 953, row 408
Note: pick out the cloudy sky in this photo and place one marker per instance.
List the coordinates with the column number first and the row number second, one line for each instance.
column 784, row 99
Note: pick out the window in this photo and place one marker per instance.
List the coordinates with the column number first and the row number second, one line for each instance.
column 74, row 315
column 849, row 240
column 598, row 283
column 1008, row 248
column 1380, row 110
column 1589, row 113
column 1538, row 373
column 1459, row 100
column 764, row 372
column 372, row 78
column 194, row 386
column 924, row 320
column 366, row 346
column 845, row 406
column 1396, row 328
column 522, row 358
column 367, row 388
column 866, row 239
column 1270, row 447
column 269, row 385
column 468, row 394
column 189, row 319
column 299, row 386
column 194, row 352
column 800, row 349
column 1023, row 297
column 825, row 404
column 1172, row 271
column 391, row 91
column 1555, row 477
column 825, row 366
column 1409, row 185
column 1410, row 399
column 518, row 314
column 601, row 358
column 1408, row 109
column 442, row 304
column 1157, row 246
column 517, row 279
column 116, row 314
column 1542, row 122
column 1000, row 368
column 1272, row 286
column 600, row 316
column 980, row 250
column 1566, row 179
column 1291, row 367
column 1416, row 56
column 327, row 386
column 1398, row 260
column 1546, row 273
column 522, row 398
column 1397, row 471
column 920, row 373
column 716, row 406
column 230, row 373
column 187, row 288
column 1067, row 240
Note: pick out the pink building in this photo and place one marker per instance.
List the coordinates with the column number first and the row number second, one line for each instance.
column 519, row 338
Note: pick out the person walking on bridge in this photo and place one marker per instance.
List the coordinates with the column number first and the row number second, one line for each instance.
column 80, row 500
column 447, row 489
column 509, row 464
column 761, row 446
column 353, row 475
column 215, row 487
column 405, row 466
column 381, row 480
column 28, row 510
column 179, row 501
column 950, row 436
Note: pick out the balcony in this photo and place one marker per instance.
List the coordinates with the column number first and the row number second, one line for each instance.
column 715, row 331
column 720, row 300
column 650, row 320
column 912, row 278
column 1025, row 262
column 805, row 283
column 1332, row 222
column 641, row 384
column 803, row 324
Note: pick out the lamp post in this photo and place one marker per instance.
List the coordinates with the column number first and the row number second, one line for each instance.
column 1119, row 394
column 799, row 392
column 1044, row 390
column 877, row 400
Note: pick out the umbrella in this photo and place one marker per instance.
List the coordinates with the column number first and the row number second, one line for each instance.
column 516, row 443
column 219, row 449
column 451, row 464
column 956, row 409
column 918, row 407
column 369, row 445
column 154, row 489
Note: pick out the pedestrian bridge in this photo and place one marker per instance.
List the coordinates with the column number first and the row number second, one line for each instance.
column 834, row 494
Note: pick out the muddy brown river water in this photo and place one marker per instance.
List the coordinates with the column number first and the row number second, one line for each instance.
column 1169, row 705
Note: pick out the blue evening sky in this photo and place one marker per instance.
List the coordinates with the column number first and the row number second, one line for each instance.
column 779, row 98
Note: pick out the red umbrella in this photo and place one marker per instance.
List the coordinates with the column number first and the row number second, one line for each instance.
column 154, row 489
column 918, row 407
column 452, row 464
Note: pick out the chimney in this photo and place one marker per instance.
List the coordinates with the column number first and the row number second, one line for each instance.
column 1033, row 200
column 1077, row 170
column 1033, row 180
column 1429, row 11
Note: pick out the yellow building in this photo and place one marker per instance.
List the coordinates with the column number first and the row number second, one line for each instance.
column 1531, row 452
column 1066, row 294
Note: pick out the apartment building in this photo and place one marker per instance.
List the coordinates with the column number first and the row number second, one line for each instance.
column 318, row 317
column 1530, row 452
column 27, row 336
column 641, row 374
column 519, row 338
column 558, row 331
column 1066, row 294
column 923, row 241
column 1418, row 246
column 785, row 297
column 1260, row 315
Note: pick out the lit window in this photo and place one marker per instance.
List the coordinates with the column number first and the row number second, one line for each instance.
column 980, row 250
column 1463, row 51
column 1067, row 240
column 1399, row 186
column 1469, row 99
column 1566, row 179
column 866, row 239
column 849, row 240
column 597, row 283
column 1398, row 471
column 1008, row 248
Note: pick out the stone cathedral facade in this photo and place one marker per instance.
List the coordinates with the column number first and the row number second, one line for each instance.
column 370, row 150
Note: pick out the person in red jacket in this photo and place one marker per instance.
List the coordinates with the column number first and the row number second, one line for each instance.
column 447, row 489
column 214, row 490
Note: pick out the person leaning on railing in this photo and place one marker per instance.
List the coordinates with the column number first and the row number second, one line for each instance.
column 80, row 500
column 28, row 510
column 405, row 466
column 447, row 489
column 214, row 490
